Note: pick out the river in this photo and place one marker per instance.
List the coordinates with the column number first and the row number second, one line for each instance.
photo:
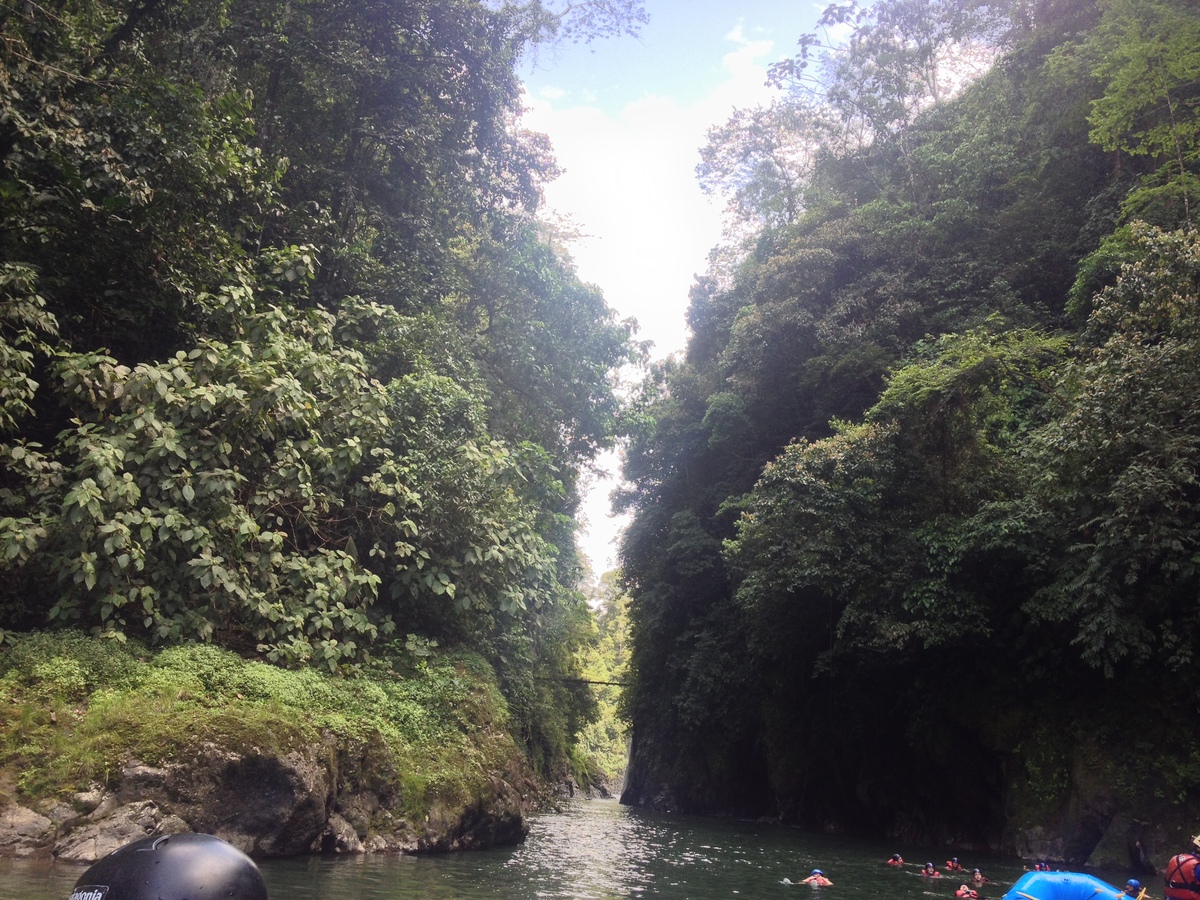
column 599, row 849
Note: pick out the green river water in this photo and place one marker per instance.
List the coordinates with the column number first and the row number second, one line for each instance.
column 599, row 849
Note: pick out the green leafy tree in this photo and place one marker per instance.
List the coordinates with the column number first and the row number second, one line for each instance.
column 1147, row 55
column 852, row 423
column 25, row 329
column 126, row 191
column 762, row 161
column 868, row 525
column 572, row 21
column 606, row 741
column 1116, row 468
column 898, row 59
column 213, row 493
column 286, row 360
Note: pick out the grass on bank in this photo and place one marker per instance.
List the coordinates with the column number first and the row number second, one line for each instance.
column 74, row 709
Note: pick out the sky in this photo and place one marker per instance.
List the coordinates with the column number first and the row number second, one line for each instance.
column 627, row 117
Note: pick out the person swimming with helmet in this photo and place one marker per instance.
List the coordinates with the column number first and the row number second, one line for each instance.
column 1133, row 888
column 817, row 879
column 929, row 871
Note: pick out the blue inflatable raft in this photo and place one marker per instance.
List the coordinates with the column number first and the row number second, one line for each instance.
column 1061, row 886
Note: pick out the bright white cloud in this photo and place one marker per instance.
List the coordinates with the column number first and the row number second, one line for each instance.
column 745, row 66
column 629, row 185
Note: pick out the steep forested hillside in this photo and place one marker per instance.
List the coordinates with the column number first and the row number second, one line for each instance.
column 605, row 742
column 287, row 362
column 916, row 530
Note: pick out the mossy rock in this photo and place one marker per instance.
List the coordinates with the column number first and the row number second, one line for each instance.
column 400, row 755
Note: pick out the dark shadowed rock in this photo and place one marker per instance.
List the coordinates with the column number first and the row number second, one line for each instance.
column 262, row 804
column 320, row 799
column 495, row 819
column 339, row 836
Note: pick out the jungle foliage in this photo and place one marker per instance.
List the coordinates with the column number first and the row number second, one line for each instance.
column 288, row 363
column 925, row 477
column 605, row 742
column 76, row 708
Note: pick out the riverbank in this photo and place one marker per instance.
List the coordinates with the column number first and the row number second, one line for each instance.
column 102, row 743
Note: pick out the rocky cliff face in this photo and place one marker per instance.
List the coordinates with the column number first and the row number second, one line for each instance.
column 326, row 798
column 1098, row 803
column 1108, row 811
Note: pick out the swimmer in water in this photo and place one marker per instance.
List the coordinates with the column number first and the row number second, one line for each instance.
column 817, row 879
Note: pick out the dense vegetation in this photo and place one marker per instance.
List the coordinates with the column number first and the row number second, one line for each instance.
column 76, row 709
column 288, row 363
column 604, row 743
column 916, row 517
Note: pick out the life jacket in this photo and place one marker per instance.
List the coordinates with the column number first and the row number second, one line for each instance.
column 953, row 866
column 1182, row 880
column 895, row 862
column 969, row 893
